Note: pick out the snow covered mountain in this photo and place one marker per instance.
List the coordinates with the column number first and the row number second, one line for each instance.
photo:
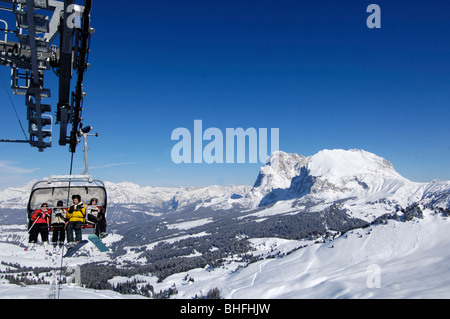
column 329, row 173
column 366, row 184
column 160, row 199
column 15, row 197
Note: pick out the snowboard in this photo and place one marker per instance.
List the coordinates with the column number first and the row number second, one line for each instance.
column 97, row 242
column 75, row 248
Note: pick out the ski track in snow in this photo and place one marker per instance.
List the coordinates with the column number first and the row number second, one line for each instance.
column 261, row 266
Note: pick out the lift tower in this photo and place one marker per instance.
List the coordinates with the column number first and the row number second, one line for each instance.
column 31, row 48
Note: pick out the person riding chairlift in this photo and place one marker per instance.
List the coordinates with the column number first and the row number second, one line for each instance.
column 96, row 215
column 58, row 224
column 76, row 216
column 39, row 225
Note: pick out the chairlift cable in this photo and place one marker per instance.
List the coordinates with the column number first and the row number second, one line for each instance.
column 70, row 173
column 60, row 270
column 62, row 249
column 14, row 107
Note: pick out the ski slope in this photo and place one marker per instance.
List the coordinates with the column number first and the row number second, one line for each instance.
column 11, row 291
column 396, row 260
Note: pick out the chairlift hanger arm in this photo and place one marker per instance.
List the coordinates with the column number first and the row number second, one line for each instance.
column 81, row 59
column 85, row 133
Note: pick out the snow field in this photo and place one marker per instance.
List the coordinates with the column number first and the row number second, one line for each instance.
column 404, row 259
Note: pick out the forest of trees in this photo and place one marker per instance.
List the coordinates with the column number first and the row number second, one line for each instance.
column 224, row 238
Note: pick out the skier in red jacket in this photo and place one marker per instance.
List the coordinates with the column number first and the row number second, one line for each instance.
column 40, row 220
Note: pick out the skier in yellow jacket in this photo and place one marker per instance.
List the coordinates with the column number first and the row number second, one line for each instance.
column 76, row 217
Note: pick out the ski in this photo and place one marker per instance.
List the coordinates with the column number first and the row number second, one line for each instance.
column 97, row 242
column 75, row 248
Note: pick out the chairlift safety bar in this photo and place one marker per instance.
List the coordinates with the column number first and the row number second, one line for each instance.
column 70, row 178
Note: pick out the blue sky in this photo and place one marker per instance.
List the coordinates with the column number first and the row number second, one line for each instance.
column 313, row 69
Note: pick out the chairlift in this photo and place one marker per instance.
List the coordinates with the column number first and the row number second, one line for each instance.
column 62, row 187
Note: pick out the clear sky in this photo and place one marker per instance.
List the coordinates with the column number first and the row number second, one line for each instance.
column 313, row 69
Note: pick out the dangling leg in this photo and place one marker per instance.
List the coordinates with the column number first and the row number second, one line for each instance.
column 77, row 228
column 62, row 236
column 70, row 226
column 44, row 236
column 55, row 235
column 34, row 231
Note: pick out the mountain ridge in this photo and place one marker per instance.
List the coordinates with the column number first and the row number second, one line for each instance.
column 354, row 177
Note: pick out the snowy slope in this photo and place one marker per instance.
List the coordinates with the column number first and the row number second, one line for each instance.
column 68, row 291
column 14, row 238
column 397, row 260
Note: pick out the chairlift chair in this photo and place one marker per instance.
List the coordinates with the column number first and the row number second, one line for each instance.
column 62, row 187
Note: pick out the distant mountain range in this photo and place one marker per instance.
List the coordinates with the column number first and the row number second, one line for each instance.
column 365, row 184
